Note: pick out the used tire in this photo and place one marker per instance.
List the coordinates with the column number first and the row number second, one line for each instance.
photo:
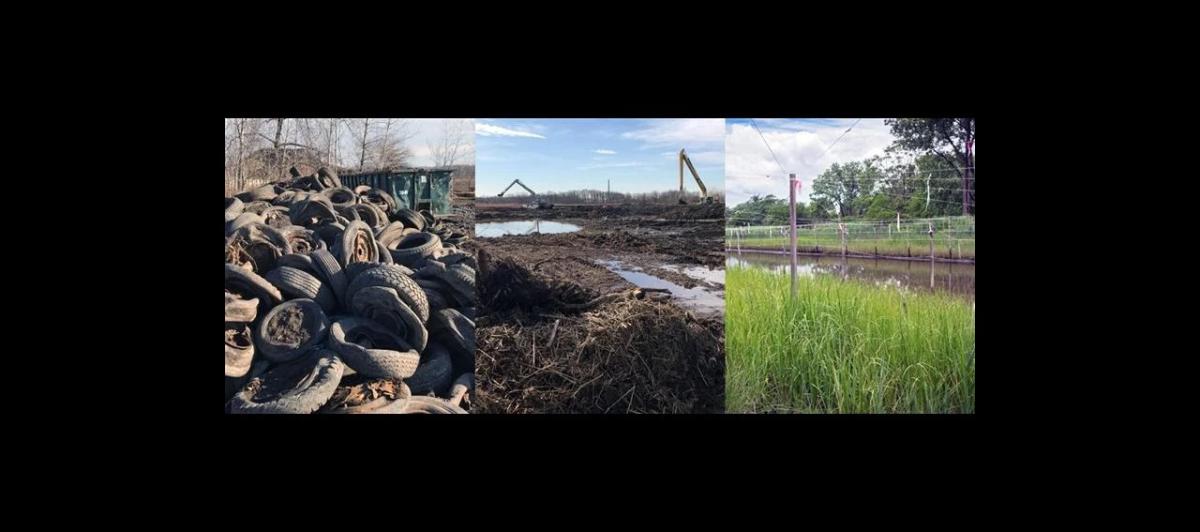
column 299, row 387
column 398, row 278
column 239, row 309
column 277, row 216
column 300, row 262
column 385, row 256
column 294, row 283
column 239, row 349
column 260, row 242
column 420, row 404
column 291, row 329
column 370, row 213
column 384, row 306
column 233, row 208
column 433, row 374
column 302, row 241
column 240, row 220
column 409, row 218
column 352, row 273
column 391, row 234
column 381, row 405
column 357, row 244
column 251, row 285
column 397, row 361
column 340, row 197
column 263, row 193
column 328, row 177
column 329, row 271
column 312, row 211
column 454, row 330
column 413, row 249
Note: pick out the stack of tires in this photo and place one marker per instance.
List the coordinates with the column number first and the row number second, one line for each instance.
column 343, row 301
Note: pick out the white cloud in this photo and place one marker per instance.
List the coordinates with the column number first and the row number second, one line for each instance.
column 800, row 147
column 606, row 152
column 489, row 130
column 697, row 132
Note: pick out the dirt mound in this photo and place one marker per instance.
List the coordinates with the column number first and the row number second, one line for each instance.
column 628, row 356
column 550, row 345
column 702, row 211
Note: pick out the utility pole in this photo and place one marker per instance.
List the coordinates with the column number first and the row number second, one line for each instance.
column 792, row 184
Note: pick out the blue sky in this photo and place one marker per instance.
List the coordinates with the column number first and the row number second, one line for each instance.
column 800, row 145
column 559, row 154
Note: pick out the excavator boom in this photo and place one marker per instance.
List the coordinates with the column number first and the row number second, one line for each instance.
column 516, row 182
column 683, row 158
column 537, row 203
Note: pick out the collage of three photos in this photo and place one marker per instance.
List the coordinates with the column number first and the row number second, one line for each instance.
column 600, row 266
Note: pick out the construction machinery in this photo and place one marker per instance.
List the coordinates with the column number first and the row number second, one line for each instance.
column 535, row 202
column 683, row 158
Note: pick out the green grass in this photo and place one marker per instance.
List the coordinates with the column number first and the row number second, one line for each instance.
column 954, row 237
column 943, row 246
column 844, row 347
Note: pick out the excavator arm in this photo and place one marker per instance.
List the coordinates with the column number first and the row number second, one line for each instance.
column 516, row 182
column 683, row 158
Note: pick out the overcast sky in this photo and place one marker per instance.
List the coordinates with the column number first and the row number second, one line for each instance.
column 800, row 145
column 560, row 154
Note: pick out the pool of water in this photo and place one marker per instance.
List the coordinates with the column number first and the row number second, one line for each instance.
column 958, row 279
column 522, row 227
column 700, row 300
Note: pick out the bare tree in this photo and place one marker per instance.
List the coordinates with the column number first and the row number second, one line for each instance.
column 452, row 144
column 392, row 143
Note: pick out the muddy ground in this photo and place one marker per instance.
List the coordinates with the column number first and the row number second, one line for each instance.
column 559, row 332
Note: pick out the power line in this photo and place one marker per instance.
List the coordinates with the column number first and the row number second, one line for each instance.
column 764, row 139
column 827, row 150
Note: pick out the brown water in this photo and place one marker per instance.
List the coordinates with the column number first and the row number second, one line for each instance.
column 958, row 279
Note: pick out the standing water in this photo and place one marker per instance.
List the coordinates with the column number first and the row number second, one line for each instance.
column 522, row 227
column 958, row 279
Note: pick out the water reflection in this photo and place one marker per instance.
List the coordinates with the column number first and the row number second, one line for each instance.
column 952, row 278
column 522, row 227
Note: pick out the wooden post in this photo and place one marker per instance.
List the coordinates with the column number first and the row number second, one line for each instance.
column 842, row 230
column 792, row 217
column 932, row 263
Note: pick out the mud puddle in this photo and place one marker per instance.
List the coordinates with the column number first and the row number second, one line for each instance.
column 704, row 300
column 522, row 227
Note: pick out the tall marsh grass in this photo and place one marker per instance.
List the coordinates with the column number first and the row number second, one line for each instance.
column 845, row 347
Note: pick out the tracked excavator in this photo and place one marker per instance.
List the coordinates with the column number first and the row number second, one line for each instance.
column 535, row 202
column 683, row 158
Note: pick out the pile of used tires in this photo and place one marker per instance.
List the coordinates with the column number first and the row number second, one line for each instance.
column 343, row 301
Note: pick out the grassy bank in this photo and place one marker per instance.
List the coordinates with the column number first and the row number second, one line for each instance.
column 953, row 248
column 844, row 347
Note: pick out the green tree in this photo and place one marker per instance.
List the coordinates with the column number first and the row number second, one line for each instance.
column 945, row 138
column 847, row 186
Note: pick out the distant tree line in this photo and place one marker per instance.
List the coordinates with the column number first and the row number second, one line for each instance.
column 591, row 196
column 259, row 150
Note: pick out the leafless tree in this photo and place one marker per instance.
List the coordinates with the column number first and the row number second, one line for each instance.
column 452, row 144
column 392, row 143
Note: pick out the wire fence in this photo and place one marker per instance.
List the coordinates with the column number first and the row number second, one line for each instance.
column 953, row 237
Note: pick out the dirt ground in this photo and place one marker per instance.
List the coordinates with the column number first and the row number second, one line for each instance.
column 558, row 332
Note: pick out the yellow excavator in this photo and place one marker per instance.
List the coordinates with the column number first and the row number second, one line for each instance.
column 535, row 203
column 683, row 158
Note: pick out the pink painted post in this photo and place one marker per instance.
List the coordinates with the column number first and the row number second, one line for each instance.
column 793, row 185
